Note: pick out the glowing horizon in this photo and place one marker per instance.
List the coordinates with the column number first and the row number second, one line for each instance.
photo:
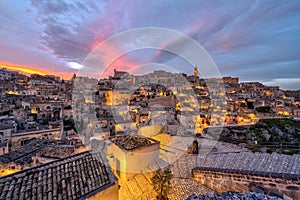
column 23, row 69
column 30, row 70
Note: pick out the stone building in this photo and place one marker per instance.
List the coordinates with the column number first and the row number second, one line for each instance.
column 23, row 137
column 6, row 74
column 130, row 154
column 230, row 80
column 246, row 171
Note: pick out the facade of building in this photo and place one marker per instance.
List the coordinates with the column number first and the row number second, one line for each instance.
column 131, row 154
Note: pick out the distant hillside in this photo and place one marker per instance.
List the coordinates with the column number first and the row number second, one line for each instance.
column 269, row 135
column 292, row 93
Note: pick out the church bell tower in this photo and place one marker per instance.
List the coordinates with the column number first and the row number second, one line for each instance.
column 195, row 71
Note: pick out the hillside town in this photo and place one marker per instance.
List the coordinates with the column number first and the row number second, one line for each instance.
column 88, row 138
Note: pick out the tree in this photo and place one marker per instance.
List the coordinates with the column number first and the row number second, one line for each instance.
column 263, row 109
column 250, row 105
column 162, row 183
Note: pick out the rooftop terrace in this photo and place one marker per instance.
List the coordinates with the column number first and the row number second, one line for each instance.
column 131, row 141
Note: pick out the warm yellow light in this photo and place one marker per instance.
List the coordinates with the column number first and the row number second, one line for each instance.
column 118, row 127
column 5, row 172
column 33, row 111
column 12, row 92
column 283, row 113
column 199, row 87
column 88, row 101
column 178, row 108
column 134, row 110
column 247, row 120
column 133, row 126
column 252, row 115
column 23, row 69
column 109, row 98
column 268, row 93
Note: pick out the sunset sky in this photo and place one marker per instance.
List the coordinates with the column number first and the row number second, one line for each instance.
column 253, row 40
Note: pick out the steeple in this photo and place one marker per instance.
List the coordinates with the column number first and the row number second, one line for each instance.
column 73, row 77
column 195, row 71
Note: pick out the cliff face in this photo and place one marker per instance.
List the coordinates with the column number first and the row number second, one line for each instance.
column 267, row 135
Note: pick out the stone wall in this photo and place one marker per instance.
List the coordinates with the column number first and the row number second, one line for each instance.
column 222, row 180
column 149, row 131
column 109, row 193
column 17, row 138
column 164, row 101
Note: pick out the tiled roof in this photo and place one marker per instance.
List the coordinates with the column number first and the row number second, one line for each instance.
column 254, row 162
column 24, row 154
column 56, row 151
column 75, row 177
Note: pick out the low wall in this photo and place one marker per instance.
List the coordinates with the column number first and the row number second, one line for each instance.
column 224, row 180
column 149, row 131
column 109, row 193
column 17, row 138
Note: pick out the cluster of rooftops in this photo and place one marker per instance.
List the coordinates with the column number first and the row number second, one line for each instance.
column 76, row 177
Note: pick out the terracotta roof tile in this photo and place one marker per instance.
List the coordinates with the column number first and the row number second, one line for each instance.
column 74, row 177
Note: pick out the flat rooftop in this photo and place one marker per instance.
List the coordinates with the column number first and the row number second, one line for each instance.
column 130, row 142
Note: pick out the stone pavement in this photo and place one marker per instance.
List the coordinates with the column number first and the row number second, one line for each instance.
column 140, row 187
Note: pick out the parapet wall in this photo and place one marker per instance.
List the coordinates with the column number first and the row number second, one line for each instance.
column 224, row 180
column 149, row 131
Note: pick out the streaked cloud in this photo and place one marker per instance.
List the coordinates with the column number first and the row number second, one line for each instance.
column 287, row 83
